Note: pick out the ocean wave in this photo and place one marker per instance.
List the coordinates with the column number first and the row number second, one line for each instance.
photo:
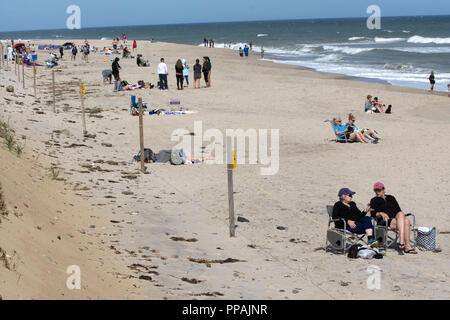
column 105, row 38
column 347, row 50
column 262, row 35
column 330, row 58
column 356, row 38
column 424, row 50
column 419, row 39
column 388, row 40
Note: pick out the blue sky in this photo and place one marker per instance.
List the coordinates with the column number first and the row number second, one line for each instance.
column 51, row 14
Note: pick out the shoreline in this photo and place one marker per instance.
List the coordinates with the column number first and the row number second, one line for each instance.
column 268, row 58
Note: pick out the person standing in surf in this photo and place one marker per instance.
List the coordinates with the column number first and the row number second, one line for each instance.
column 134, row 45
column 432, row 81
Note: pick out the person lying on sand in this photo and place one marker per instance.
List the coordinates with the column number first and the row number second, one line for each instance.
column 386, row 209
column 369, row 134
column 356, row 221
column 342, row 132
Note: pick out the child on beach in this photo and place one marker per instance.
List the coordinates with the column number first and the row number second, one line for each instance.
column 197, row 74
column 185, row 72
column 74, row 53
column 241, row 52
column 163, row 72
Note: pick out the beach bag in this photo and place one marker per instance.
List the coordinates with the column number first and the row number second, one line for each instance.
column 177, row 157
column 426, row 238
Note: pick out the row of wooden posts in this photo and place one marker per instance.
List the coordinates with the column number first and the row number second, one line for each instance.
column 231, row 155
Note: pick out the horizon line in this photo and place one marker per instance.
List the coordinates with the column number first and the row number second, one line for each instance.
column 240, row 21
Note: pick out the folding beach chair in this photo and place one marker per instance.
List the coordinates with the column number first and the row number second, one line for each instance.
column 388, row 238
column 340, row 140
column 339, row 240
column 134, row 106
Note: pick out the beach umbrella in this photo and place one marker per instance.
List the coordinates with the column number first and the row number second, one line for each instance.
column 18, row 45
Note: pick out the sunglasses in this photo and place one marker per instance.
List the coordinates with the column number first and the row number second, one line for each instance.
column 378, row 190
column 350, row 195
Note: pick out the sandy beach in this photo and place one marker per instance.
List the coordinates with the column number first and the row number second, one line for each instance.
column 171, row 225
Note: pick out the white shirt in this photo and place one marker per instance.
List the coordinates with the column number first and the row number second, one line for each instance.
column 162, row 68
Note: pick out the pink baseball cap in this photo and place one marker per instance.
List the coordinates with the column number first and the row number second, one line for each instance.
column 378, row 185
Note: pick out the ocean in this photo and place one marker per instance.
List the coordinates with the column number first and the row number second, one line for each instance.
column 403, row 52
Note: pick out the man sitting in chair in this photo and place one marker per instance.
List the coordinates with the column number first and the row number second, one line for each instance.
column 356, row 221
column 386, row 209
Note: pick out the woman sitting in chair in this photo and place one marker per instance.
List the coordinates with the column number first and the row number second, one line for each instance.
column 369, row 134
column 386, row 210
column 342, row 132
column 356, row 221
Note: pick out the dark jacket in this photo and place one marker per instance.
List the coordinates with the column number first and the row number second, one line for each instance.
column 340, row 210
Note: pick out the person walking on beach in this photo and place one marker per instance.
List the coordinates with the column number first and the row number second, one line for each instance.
column 115, row 72
column 246, row 51
column 185, row 72
column 134, row 45
column 432, row 81
column 205, row 42
column 86, row 52
column 251, row 46
column 262, row 52
column 61, row 52
column 197, row 74
column 163, row 72
column 124, row 37
column 179, row 74
column 74, row 53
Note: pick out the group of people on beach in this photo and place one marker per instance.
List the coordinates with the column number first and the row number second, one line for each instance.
column 383, row 208
column 376, row 106
column 209, row 42
column 182, row 73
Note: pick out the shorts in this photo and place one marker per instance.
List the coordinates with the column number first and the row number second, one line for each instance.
column 205, row 74
column 197, row 76
column 116, row 76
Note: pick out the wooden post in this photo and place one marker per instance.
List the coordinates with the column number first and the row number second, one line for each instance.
column 3, row 56
column 230, row 186
column 23, row 72
column 82, row 108
column 141, row 135
column 53, row 86
column 34, row 78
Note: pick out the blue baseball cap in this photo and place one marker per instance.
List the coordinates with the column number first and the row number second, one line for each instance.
column 345, row 191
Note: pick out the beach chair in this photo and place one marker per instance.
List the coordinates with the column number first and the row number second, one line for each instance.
column 339, row 240
column 388, row 238
column 134, row 106
column 340, row 140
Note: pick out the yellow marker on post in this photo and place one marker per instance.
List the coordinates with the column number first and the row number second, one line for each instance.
column 234, row 159
column 83, row 89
